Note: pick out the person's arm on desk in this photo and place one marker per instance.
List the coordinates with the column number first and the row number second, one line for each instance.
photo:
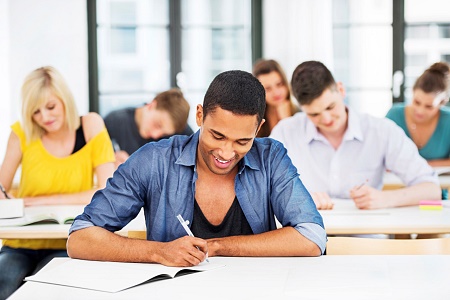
column 285, row 241
column 11, row 162
column 439, row 162
column 96, row 243
column 367, row 197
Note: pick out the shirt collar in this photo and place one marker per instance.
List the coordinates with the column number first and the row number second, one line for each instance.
column 354, row 130
column 188, row 155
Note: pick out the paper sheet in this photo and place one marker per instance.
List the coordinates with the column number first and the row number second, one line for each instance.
column 108, row 276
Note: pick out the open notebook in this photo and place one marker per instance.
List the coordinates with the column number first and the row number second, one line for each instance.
column 111, row 276
column 11, row 208
column 39, row 218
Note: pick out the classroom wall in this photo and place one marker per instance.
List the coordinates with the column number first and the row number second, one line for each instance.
column 36, row 33
column 5, row 112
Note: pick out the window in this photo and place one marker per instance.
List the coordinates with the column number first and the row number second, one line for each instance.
column 427, row 38
column 142, row 47
column 362, row 41
column 133, row 52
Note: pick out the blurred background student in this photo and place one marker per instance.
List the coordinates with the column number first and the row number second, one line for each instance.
column 427, row 120
column 131, row 128
column 278, row 95
column 60, row 152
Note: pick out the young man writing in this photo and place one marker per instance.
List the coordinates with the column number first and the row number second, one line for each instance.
column 342, row 154
column 229, row 185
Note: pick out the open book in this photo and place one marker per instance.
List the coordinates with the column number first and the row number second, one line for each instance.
column 111, row 276
column 45, row 214
column 11, row 208
column 442, row 170
column 39, row 218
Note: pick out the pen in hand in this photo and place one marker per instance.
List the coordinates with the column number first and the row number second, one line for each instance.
column 4, row 191
column 361, row 185
column 188, row 230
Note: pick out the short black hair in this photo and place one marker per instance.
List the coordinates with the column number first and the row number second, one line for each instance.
column 309, row 80
column 238, row 92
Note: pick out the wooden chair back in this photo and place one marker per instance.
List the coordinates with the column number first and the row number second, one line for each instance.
column 371, row 246
column 137, row 234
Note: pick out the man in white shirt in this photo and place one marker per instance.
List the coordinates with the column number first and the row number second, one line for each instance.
column 340, row 153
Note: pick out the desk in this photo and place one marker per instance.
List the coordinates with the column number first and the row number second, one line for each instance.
column 346, row 218
column 392, row 181
column 55, row 231
column 327, row 277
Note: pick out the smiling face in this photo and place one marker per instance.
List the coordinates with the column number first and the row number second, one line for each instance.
column 424, row 106
column 155, row 123
column 50, row 114
column 328, row 112
column 225, row 138
column 276, row 90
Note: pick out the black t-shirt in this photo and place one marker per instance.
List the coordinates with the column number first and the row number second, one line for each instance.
column 234, row 223
column 80, row 141
column 123, row 130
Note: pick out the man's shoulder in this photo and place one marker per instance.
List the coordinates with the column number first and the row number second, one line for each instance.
column 378, row 125
column 266, row 142
column 266, row 147
column 168, row 144
column 120, row 114
column 290, row 125
column 293, row 121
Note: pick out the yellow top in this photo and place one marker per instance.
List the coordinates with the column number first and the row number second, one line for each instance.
column 44, row 174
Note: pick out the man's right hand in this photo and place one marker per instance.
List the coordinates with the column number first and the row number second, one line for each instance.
column 322, row 200
column 183, row 252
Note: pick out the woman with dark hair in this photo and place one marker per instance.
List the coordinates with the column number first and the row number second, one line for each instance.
column 426, row 120
column 278, row 95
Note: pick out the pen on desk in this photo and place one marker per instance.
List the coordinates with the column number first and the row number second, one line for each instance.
column 4, row 191
column 188, row 230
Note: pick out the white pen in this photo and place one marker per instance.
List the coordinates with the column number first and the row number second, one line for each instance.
column 188, row 230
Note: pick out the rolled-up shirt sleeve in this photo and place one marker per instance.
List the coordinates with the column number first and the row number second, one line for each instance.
column 80, row 224
column 315, row 233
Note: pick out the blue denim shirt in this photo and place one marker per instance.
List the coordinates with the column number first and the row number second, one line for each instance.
column 161, row 177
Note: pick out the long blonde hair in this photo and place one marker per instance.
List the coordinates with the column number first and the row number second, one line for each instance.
column 36, row 89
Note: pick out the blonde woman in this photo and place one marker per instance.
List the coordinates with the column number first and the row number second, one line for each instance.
column 59, row 153
column 278, row 95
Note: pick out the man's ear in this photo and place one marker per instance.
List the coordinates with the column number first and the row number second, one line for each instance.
column 340, row 88
column 199, row 115
column 260, row 125
column 151, row 105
